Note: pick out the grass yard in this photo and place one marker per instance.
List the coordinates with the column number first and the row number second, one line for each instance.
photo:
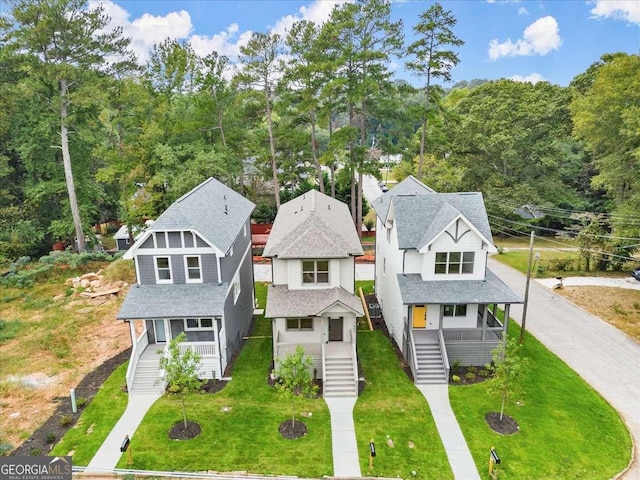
column 567, row 430
column 392, row 407
column 245, row 438
column 95, row 423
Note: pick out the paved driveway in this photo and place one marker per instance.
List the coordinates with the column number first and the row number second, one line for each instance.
column 605, row 357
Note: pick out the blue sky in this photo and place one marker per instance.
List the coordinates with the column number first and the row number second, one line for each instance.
column 525, row 40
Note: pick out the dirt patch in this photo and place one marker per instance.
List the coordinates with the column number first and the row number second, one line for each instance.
column 63, row 341
column 63, row 418
column 506, row 426
column 616, row 306
column 292, row 430
column 178, row 432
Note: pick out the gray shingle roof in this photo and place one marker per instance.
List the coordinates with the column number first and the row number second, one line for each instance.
column 283, row 303
column 491, row 290
column 409, row 186
column 421, row 218
column 173, row 301
column 313, row 225
column 212, row 209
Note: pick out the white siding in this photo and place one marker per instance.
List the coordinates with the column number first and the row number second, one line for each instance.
column 280, row 271
column 347, row 274
column 469, row 321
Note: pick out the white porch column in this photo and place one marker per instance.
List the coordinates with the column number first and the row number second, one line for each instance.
column 132, row 330
column 485, row 313
column 505, row 323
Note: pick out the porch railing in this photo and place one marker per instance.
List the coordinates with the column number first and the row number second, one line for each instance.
column 471, row 334
column 352, row 340
column 412, row 357
column 205, row 349
column 443, row 352
column 138, row 347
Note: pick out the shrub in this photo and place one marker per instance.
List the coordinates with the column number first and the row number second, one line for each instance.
column 483, row 373
column 472, row 369
column 456, row 366
column 500, row 250
column 470, row 376
column 81, row 402
column 120, row 270
column 455, row 379
column 35, row 452
column 5, row 448
column 51, row 437
column 9, row 329
column 65, row 420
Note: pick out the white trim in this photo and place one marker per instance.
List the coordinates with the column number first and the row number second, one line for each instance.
column 237, row 272
column 236, row 286
column 155, row 250
column 186, row 269
column 155, row 267
column 137, row 267
column 200, row 327
column 315, row 272
column 218, row 269
column 490, row 246
column 177, row 251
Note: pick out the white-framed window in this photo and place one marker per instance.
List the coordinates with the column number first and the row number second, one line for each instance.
column 198, row 323
column 163, row 269
column 315, row 272
column 236, row 287
column 455, row 310
column 192, row 269
column 300, row 324
column 454, row 263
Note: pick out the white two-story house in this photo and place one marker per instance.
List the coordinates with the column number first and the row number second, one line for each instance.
column 311, row 301
column 439, row 300
column 194, row 274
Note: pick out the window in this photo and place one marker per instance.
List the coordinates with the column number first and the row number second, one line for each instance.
column 454, row 263
column 236, row 287
column 300, row 324
column 192, row 269
column 163, row 269
column 455, row 310
column 198, row 323
column 315, row 271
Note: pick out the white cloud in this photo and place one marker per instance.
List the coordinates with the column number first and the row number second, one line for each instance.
column 531, row 78
column 148, row 29
column 626, row 10
column 226, row 43
column 539, row 38
column 523, row 11
column 317, row 12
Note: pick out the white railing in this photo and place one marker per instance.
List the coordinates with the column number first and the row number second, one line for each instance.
column 324, row 368
column 443, row 352
column 471, row 334
column 205, row 349
column 138, row 347
column 355, row 358
column 314, row 350
column 413, row 358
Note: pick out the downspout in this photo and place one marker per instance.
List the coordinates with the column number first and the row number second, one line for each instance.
column 404, row 254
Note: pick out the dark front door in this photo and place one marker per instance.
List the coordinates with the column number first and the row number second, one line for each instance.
column 335, row 329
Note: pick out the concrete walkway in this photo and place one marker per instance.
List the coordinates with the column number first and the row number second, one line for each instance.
column 606, row 358
column 108, row 455
column 455, row 445
column 343, row 437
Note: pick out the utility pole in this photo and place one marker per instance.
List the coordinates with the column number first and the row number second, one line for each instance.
column 526, row 290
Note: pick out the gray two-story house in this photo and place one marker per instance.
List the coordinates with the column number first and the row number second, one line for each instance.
column 194, row 274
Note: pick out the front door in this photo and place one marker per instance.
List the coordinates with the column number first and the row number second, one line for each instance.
column 335, row 329
column 158, row 327
column 419, row 319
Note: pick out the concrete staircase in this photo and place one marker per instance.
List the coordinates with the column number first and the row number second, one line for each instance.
column 430, row 368
column 147, row 373
column 339, row 380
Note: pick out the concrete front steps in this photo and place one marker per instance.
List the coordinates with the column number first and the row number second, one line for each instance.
column 147, row 374
column 339, row 378
column 430, row 369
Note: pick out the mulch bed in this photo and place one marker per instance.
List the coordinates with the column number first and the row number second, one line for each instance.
column 291, row 430
column 464, row 380
column 178, row 432
column 213, row 386
column 506, row 426
column 63, row 419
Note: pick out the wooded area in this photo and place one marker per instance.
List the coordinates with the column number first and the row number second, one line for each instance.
column 87, row 135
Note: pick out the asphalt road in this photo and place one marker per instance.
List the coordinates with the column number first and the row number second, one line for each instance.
column 602, row 355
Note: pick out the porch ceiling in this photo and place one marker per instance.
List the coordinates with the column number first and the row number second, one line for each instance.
column 282, row 302
column 491, row 290
column 173, row 301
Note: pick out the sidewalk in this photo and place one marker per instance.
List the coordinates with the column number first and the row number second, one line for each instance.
column 343, row 437
column 108, row 455
column 455, row 445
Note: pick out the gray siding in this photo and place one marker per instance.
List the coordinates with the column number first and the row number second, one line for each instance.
column 175, row 240
column 200, row 242
column 121, row 244
column 237, row 317
column 228, row 265
column 160, row 240
column 188, row 240
column 470, row 353
column 148, row 243
column 146, row 269
column 177, row 326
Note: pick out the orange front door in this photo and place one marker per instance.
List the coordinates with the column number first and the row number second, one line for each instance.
column 419, row 319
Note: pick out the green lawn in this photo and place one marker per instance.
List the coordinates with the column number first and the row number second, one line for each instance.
column 246, row 438
column 96, row 421
column 567, row 430
column 392, row 406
